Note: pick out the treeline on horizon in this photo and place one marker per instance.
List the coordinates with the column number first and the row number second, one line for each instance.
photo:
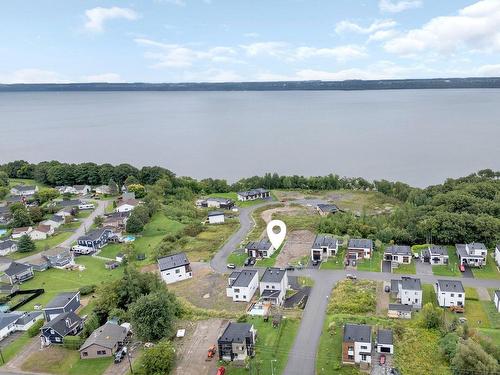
column 460, row 210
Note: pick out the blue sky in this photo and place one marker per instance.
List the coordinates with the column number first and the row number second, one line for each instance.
column 236, row 40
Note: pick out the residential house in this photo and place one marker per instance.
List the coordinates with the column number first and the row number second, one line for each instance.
column 126, row 205
column 326, row 209
column 23, row 190
column 242, row 285
column 175, row 268
column 103, row 190
column 215, row 202
column 435, row 255
column 41, row 232
column 5, row 215
column 215, row 217
column 400, row 311
column 472, row 254
column 82, row 189
column 497, row 255
column 59, row 257
column 65, row 324
column 359, row 248
column 7, row 247
column 104, row 341
column 65, row 189
column 273, row 285
column 237, row 342
column 19, row 232
column 385, row 341
column 259, row 249
column 73, row 203
column 408, row 291
column 66, row 212
column 357, row 344
column 253, row 194
column 120, row 257
column 62, row 303
column 398, row 254
column 323, row 247
column 39, row 263
column 96, row 238
column 450, row 293
column 55, row 221
column 116, row 220
column 8, row 323
column 17, row 273
column 27, row 319
column 496, row 299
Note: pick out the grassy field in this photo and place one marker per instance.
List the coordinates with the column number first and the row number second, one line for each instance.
column 353, row 297
column 334, row 263
column 476, row 315
column 407, row 269
column 489, row 271
column 25, row 181
column 234, row 197
column 260, row 224
column 269, row 262
column 237, row 258
column 428, row 294
column 271, row 348
column 55, row 281
column 451, row 269
column 11, row 350
column 60, row 361
column 42, row 245
column 373, row 264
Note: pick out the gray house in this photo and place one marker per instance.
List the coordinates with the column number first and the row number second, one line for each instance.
column 237, row 342
column 59, row 257
column 323, row 247
column 62, row 303
column 96, row 238
column 104, row 341
column 17, row 273
column 7, row 247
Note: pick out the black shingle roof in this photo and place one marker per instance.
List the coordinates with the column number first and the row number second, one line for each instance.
column 61, row 300
column 358, row 333
column 244, row 278
column 399, row 250
column 400, row 307
column 324, row 240
column 16, row 268
column 236, row 332
column 451, row 286
column 59, row 324
column 273, row 275
column 172, row 261
column 384, row 336
column 263, row 244
column 360, row 243
column 7, row 244
column 94, row 235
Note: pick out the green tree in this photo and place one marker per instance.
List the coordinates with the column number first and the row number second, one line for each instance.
column 16, row 206
column 3, row 192
column 431, row 317
column 138, row 189
column 21, row 218
column 153, row 315
column 4, row 179
column 113, row 187
column 158, row 360
column 46, row 195
column 472, row 359
column 134, row 224
column 91, row 324
column 448, row 345
column 36, row 214
column 131, row 180
column 98, row 221
column 25, row 244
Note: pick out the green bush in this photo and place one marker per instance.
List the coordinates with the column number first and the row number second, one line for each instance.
column 87, row 289
column 35, row 328
column 73, row 342
column 353, row 297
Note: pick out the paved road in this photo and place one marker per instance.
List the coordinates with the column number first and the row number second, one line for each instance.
column 80, row 231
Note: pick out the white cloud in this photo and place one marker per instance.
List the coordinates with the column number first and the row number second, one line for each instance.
column 340, row 53
column 275, row 49
column 491, row 70
column 104, row 77
column 398, row 6
column 32, row 75
column 348, row 26
column 382, row 35
column 96, row 17
column 476, row 28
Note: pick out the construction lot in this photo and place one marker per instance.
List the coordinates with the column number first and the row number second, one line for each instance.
column 193, row 347
column 297, row 246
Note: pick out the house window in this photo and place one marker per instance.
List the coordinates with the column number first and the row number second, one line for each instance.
column 350, row 348
column 177, row 270
column 272, row 286
column 58, row 339
column 85, row 354
column 236, row 290
column 351, row 357
column 364, row 347
column 244, row 297
column 460, row 295
column 363, row 357
column 452, row 294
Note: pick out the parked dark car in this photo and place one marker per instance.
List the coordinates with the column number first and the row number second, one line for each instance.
column 290, row 268
column 120, row 354
column 315, row 262
column 387, row 288
column 250, row 261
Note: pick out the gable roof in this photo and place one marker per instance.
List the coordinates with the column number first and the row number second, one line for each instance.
column 27, row 317
column 20, row 230
column 16, row 268
column 59, row 325
column 130, row 202
column 8, row 318
column 24, row 187
column 384, row 336
column 400, row 307
column 172, row 261
column 215, row 213
column 324, row 240
column 43, row 228
column 69, row 202
column 410, row 283
column 437, row 250
column 7, row 244
column 61, row 300
column 398, row 250
column 263, row 244
column 219, row 200
column 273, row 275
column 243, row 278
column 476, row 246
column 107, row 336
column 94, row 234
column 236, row 332
column 357, row 332
column 252, row 192
column 327, row 207
column 57, row 218
column 451, row 286
column 360, row 243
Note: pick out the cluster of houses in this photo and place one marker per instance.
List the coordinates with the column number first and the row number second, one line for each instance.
column 358, row 344
column 253, row 194
column 325, row 246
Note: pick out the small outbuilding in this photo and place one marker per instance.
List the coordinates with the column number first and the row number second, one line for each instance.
column 215, row 217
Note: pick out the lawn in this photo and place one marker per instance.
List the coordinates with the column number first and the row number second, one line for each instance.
column 489, row 271
column 237, row 258
column 451, row 269
column 476, row 315
column 260, row 224
column 11, row 350
column 334, row 263
column 406, row 269
column 428, row 294
column 234, row 197
column 60, row 361
column 55, row 281
column 493, row 315
column 42, row 245
column 269, row 262
column 353, row 297
column 373, row 264
column 25, row 181
column 271, row 348
column 493, row 334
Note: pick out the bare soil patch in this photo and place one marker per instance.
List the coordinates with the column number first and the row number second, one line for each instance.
column 382, row 300
column 192, row 349
column 287, row 210
column 297, row 246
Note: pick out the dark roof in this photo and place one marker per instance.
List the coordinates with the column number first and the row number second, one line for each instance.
column 28, row 317
column 93, row 235
column 118, row 215
column 394, row 285
column 253, row 192
column 410, row 283
column 273, row 275
column 106, row 336
column 244, row 278
column 400, row 307
column 220, row 200
column 236, row 332
column 451, row 286
column 6, row 244
column 215, row 213
column 61, row 300
column 462, row 252
column 263, row 244
column 384, row 336
column 173, row 261
column 24, row 187
column 398, row 250
column 69, row 202
column 59, row 325
column 16, row 268
column 270, row 293
column 358, row 333
column 437, row 250
column 477, row 245
column 8, row 318
column 328, row 207
column 360, row 243
column 324, row 240
column 57, row 218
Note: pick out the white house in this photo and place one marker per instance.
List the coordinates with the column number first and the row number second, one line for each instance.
column 408, row 291
column 472, row 254
column 323, row 247
column 259, row 249
column 55, row 221
column 273, row 285
column 7, row 247
column 398, row 254
column 103, row 189
column 215, row 217
column 399, row 311
column 175, row 268
column 8, row 323
column 65, row 189
column 19, row 232
column 385, row 342
column 450, row 293
column 215, row 202
column 357, row 344
column 497, row 255
column 251, row 195
column 126, row 205
column 359, row 248
column 81, row 189
column 41, row 232
column 496, row 299
column 435, row 255
column 242, row 285
column 23, row 190
column 27, row 319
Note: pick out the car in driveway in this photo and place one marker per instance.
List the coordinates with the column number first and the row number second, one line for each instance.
column 231, row 266
column 382, row 359
column 249, row 261
column 461, row 268
column 315, row 262
column 120, row 354
column 351, row 276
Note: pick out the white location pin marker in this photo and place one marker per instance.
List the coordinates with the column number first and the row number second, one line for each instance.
column 276, row 238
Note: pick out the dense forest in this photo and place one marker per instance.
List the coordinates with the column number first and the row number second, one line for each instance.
column 460, row 210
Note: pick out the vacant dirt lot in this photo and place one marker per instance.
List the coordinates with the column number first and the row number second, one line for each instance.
column 298, row 245
column 192, row 349
column 287, row 210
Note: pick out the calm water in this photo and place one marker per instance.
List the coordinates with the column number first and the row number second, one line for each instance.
column 416, row 136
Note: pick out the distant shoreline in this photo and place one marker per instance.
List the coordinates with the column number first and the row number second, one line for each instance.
column 350, row 85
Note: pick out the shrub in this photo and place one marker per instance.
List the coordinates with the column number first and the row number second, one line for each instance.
column 353, row 297
column 87, row 289
column 34, row 330
column 73, row 342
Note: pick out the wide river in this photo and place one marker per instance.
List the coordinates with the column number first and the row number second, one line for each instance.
column 415, row 136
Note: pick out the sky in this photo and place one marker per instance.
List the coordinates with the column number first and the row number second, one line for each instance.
column 63, row 41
